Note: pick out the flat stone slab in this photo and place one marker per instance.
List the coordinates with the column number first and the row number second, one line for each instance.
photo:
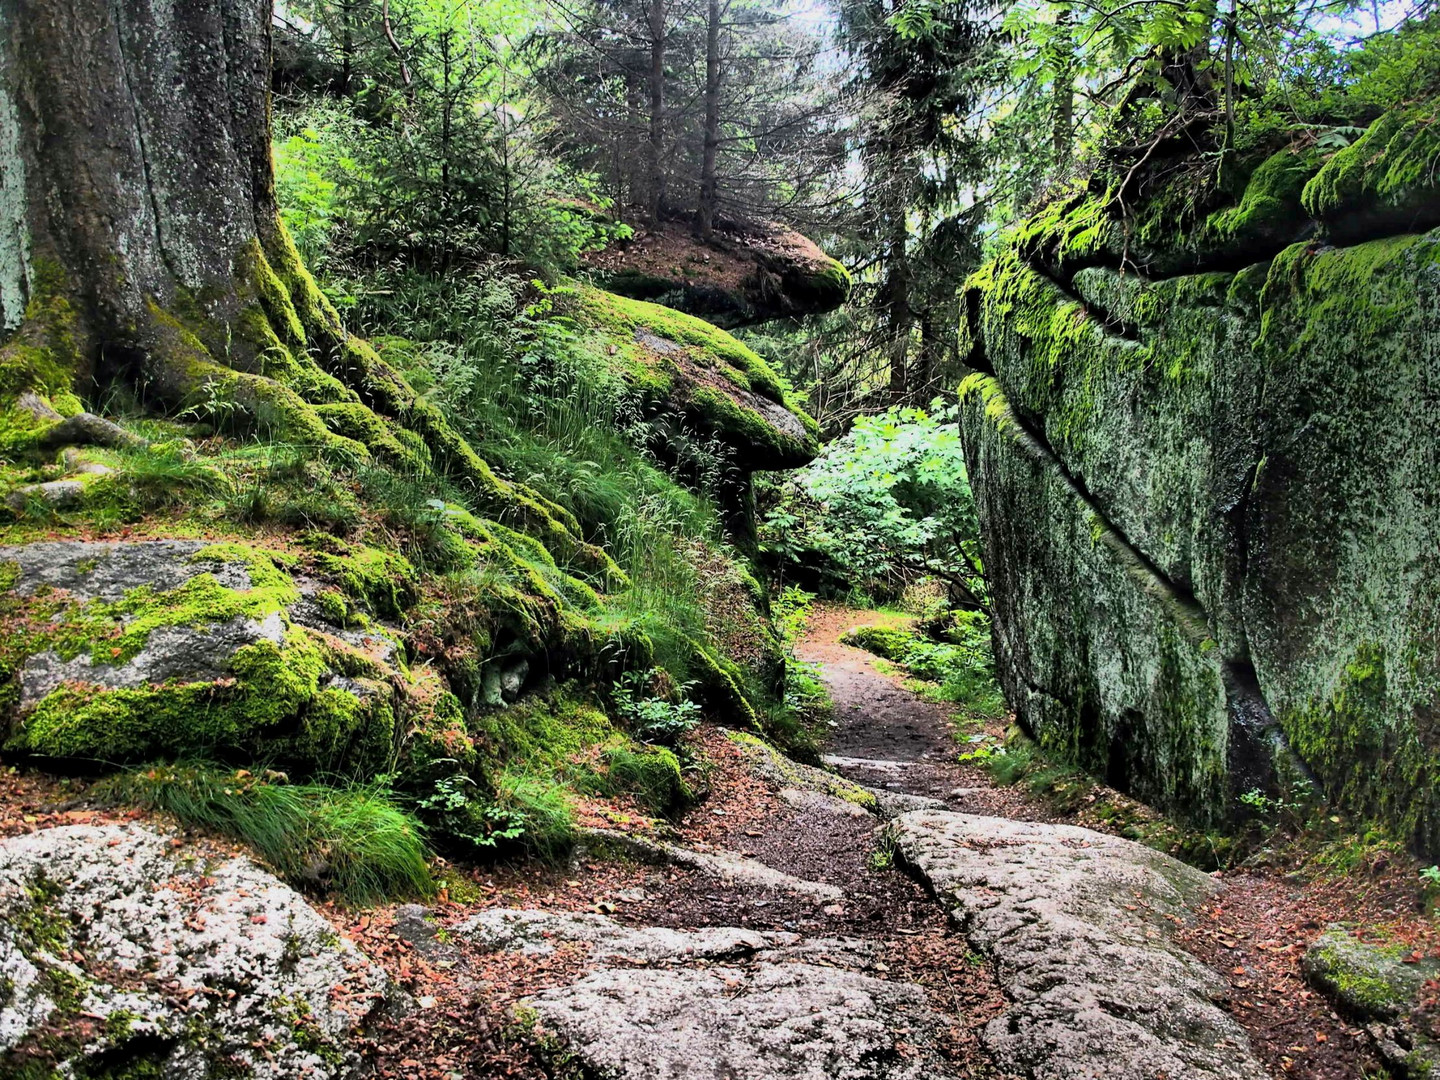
column 770, row 1022
column 665, row 1004
column 1079, row 927
column 118, row 952
column 836, row 761
column 727, row 866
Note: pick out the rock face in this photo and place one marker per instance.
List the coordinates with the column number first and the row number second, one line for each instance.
column 723, row 1002
column 119, row 953
column 1078, row 925
column 1380, row 985
column 1203, row 453
column 122, row 650
column 748, row 274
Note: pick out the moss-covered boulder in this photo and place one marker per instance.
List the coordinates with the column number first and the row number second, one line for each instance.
column 1209, row 502
column 128, row 651
column 690, row 373
column 749, row 273
column 1382, row 986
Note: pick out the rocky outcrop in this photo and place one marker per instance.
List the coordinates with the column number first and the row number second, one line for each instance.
column 1079, row 925
column 1383, row 986
column 661, row 1004
column 121, row 955
column 1202, row 447
column 690, row 374
column 748, row 273
column 123, row 651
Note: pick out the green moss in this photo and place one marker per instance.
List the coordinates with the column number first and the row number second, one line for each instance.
column 1354, row 297
column 43, row 356
column 1395, row 165
column 269, row 700
column 890, row 642
column 1371, row 767
column 550, row 734
column 384, row 581
column 1359, row 987
column 651, row 774
column 183, row 372
column 624, row 325
column 1271, row 202
column 1070, row 231
column 436, row 742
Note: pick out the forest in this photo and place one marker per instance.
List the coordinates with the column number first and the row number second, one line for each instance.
column 747, row 539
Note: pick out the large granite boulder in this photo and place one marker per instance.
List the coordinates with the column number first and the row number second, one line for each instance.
column 662, row 1004
column 1080, row 928
column 1208, row 497
column 747, row 273
column 121, row 651
column 124, row 955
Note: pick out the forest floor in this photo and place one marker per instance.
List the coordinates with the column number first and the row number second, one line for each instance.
column 889, row 738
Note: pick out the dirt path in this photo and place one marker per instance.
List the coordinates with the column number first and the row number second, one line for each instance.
column 886, row 737
column 468, row 1030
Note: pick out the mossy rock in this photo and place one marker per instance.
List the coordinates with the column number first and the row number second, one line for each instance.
column 1371, row 982
column 1381, row 986
column 1205, row 495
column 689, row 373
column 121, row 652
column 887, row 642
column 747, row 274
column 1387, row 179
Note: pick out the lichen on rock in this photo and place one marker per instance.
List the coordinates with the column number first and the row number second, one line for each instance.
column 118, row 952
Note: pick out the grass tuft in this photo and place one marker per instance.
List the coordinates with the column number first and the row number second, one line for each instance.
column 347, row 840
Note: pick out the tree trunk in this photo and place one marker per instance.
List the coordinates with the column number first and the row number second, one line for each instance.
column 899, row 320
column 657, row 110
column 709, row 189
column 140, row 240
column 636, row 184
column 1063, row 117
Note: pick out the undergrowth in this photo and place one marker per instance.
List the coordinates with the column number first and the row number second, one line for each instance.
column 352, row 840
column 1072, row 792
column 958, row 668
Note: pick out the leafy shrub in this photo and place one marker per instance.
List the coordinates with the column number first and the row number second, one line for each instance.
column 884, row 505
column 461, row 814
column 962, row 666
column 657, row 719
column 351, row 840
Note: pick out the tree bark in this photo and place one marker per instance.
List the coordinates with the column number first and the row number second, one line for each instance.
column 140, row 240
column 709, row 186
column 657, row 111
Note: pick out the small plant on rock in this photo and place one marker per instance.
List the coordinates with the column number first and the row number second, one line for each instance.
column 662, row 720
